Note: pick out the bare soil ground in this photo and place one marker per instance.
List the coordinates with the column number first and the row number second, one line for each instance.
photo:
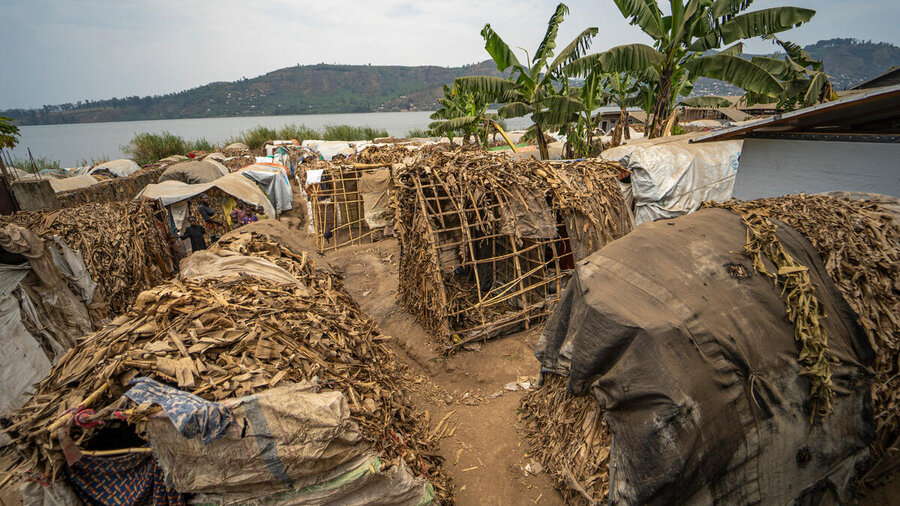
column 484, row 454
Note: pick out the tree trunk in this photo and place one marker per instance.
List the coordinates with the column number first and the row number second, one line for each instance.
column 661, row 105
column 621, row 125
column 542, row 143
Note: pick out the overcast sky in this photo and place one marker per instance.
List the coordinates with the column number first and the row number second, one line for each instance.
column 58, row 51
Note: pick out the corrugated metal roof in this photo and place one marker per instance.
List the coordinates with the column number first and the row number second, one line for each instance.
column 881, row 102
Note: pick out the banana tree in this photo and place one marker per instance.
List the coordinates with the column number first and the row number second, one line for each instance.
column 804, row 81
column 681, row 38
column 462, row 112
column 532, row 88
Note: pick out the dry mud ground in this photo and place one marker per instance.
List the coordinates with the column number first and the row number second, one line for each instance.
column 484, row 455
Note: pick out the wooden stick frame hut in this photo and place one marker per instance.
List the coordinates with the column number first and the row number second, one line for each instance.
column 488, row 243
column 339, row 213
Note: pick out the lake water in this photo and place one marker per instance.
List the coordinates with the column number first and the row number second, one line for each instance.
column 69, row 144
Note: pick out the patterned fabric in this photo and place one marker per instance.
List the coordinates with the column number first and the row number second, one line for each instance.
column 133, row 479
column 189, row 413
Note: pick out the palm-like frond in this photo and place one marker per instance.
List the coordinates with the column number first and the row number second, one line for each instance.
column 548, row 43
column 645, row 14
column 737, row 71
column 498, row 49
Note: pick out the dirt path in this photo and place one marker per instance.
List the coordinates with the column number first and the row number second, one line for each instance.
column 484, row 454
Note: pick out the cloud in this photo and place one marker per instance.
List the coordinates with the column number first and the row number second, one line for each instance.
column 64, row 51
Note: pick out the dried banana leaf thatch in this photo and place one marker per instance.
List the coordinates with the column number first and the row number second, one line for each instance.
column 385, row 153
column 111, row 190
column 860, row 245
column 120, row 243
column 570, row 437
column 222, row 338
column 487, row 243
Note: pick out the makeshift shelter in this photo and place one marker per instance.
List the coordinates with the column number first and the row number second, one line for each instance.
column 265, row 383
column 121, row 242
column 669, row 176
column 72, row 183
column 194, row 172
column 45, row 291
column 236, row 149
column 710, row 383
column 487, row 243
column 347, row 203
column 122, row 167
column 233, row 184
column 272, row 179
column 110, row 190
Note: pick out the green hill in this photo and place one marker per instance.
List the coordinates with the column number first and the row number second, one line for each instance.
column 309, row 89
column 847, row 61
column 324, row 89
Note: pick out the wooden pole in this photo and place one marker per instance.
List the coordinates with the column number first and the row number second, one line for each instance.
column 505, row 137
column 87, row 402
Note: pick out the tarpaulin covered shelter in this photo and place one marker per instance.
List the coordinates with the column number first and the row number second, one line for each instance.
column 718, row 385
column 122, row 167
column 488, row 243
column 72, row 183
column 272, row 179
column 44, row 293
column 671, row 177
column 194, row 172
column 234, row 184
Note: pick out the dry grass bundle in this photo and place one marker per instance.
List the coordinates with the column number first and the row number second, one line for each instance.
column 120, row 242
column 225, row 338
column 111, row 190
column 488, row 243
column 859, row 243
column 570, row 437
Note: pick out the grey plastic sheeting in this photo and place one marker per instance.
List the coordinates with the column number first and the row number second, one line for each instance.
column 671, row 177
column 697, row 369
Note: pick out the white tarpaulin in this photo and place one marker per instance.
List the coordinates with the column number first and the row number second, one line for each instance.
column 22, row 361
column 671, row 177
column 234, row 184
column 328, row 149
column 72, row 183
column 122, row 167
column 273, row 180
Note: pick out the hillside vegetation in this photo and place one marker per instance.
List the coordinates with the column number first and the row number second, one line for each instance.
column 326, row 89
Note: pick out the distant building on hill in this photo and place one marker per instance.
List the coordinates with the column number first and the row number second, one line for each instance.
column 889, row 78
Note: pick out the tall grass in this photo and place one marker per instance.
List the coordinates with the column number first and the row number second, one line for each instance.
column 299, row 132
column 414, row 133
column 256, row 137
column 40, row 163
column 149, row 148
column 352, row 133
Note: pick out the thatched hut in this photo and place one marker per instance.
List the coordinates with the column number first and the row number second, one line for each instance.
column 487, row 243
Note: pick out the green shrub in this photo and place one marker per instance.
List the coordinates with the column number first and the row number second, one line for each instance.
column 201, row 144
column 148, row 148
column 352, row 133
column 41, row 163
column 256, row 137
column 417, row 132
column 298, row 132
